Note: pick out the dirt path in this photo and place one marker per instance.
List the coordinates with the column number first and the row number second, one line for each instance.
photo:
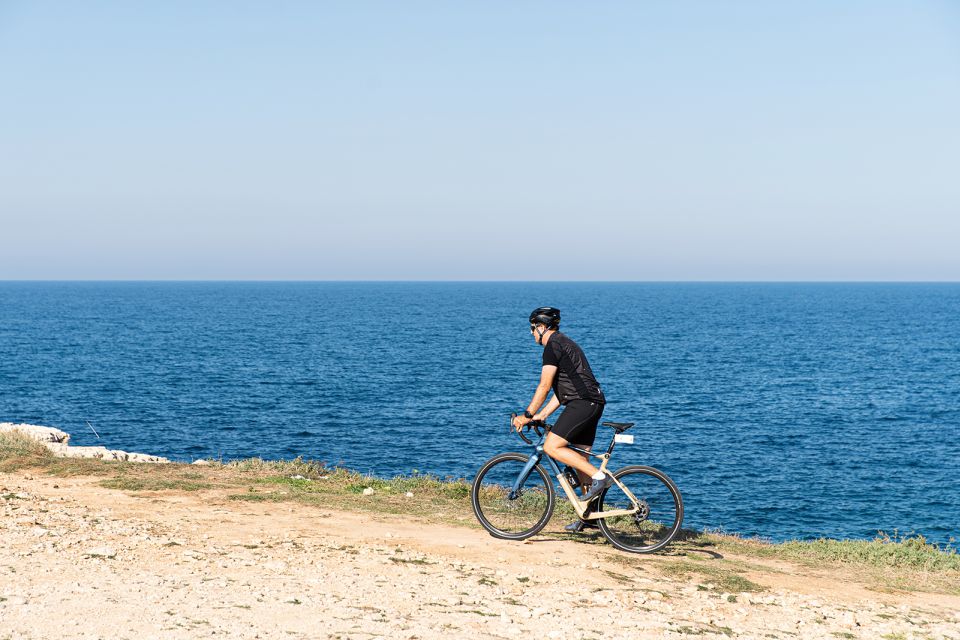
column 81, row 561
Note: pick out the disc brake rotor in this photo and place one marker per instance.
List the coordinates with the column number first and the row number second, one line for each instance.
column 643, row 512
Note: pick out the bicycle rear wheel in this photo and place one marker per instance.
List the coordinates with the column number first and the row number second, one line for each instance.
column 660, row 515
column 509, row 514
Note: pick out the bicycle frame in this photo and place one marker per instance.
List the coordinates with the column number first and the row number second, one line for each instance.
column 578, row 505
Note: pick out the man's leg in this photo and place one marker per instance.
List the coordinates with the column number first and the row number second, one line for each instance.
column 578, row 421
column 585, row 479
column 556, row 448
column 578, row 525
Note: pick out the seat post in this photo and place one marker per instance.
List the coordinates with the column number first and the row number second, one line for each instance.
column 613, row 441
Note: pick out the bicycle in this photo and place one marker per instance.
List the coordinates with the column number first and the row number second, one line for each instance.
column 513, row 497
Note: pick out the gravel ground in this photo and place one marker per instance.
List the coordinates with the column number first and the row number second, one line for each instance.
column 81, row 561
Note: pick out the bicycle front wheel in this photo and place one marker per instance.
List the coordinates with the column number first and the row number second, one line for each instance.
column 659, row 516
column 508, row 512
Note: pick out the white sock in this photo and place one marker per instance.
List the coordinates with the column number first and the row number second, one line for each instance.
column 599, row 475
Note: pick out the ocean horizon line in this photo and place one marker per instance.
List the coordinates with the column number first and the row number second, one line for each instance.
column 445, row 281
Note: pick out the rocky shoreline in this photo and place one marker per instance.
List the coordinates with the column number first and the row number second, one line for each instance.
column 58, row 442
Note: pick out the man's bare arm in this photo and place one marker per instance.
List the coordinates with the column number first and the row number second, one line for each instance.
column 545, row 412
column 546, row 381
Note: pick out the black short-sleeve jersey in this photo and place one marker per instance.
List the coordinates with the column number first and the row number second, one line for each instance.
column 574, row 379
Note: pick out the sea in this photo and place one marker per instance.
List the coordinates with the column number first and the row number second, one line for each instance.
column 784, row 411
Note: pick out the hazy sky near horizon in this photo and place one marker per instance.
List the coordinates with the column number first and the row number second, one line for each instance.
column 440, row 140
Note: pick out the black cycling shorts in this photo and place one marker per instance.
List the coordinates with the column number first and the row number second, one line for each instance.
column 578, row 422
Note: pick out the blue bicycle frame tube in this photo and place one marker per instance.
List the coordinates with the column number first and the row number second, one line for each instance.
column 535, row 460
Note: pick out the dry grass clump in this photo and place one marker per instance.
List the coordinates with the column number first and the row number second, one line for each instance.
column 298, row 466
column 18, row 450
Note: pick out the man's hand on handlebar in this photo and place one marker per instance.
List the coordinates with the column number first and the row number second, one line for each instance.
column 520, row 421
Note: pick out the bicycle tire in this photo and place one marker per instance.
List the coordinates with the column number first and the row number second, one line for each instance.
column 518, row 518
column 642, row 532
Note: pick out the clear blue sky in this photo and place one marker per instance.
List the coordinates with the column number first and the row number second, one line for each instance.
column 485, row 140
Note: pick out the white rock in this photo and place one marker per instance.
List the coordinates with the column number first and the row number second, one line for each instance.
column 100, row 552
column 409, row 494
column 201, row 461
column 143, row 457
column 38, row 433
column 368, row 491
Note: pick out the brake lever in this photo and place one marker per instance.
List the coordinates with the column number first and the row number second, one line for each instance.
column 520, row 432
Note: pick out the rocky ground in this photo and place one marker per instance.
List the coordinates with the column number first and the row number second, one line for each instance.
column 81, row 561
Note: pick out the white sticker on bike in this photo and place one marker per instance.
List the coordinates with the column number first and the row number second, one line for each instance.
column 624, row 438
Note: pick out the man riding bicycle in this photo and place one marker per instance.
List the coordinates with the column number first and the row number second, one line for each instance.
column 567, row 372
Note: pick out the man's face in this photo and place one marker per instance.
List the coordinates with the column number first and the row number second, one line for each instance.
column 536, row 330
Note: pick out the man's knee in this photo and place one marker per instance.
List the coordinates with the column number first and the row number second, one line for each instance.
column 552, row 446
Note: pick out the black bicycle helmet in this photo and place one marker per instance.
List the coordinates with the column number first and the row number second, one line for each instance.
column 549, row 316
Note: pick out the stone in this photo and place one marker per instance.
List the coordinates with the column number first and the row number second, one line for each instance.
column 100, row 552
column 201, row 462
column 38, row 433
column 368, row 491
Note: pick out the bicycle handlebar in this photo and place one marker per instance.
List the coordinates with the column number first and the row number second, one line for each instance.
column 537, row 425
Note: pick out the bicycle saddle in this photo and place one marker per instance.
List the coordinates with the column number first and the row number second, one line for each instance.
column 619, row 426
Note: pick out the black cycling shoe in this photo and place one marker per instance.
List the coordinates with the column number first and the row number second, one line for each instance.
column 597, row 487
column 580, row 525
